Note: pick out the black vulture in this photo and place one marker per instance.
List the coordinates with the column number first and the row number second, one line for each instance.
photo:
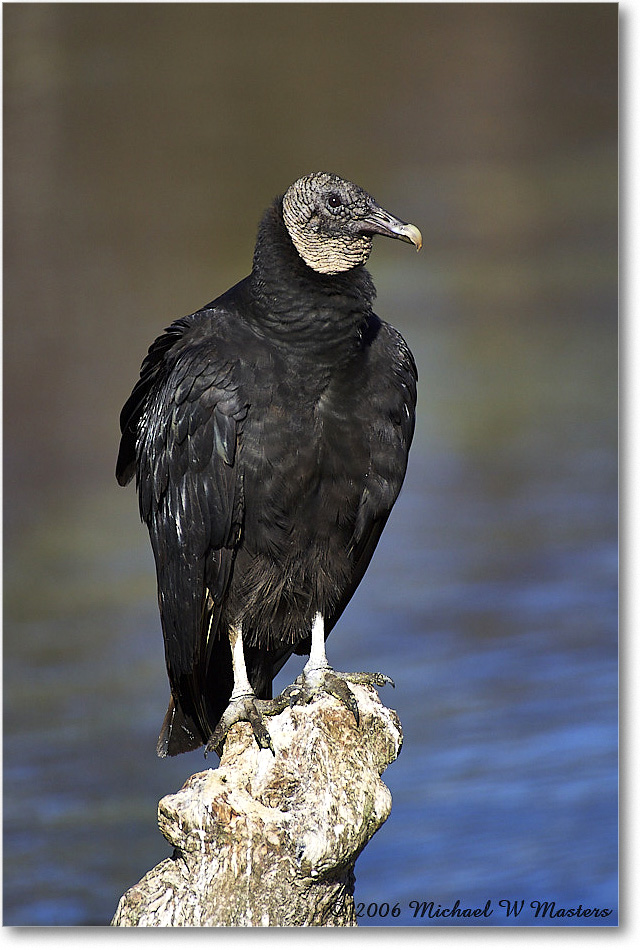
column 269, row 434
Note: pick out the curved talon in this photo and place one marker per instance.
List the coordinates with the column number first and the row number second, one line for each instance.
column 337, row 687
column 243, row 709
column 309, row 685
column 261, row 734
column 369, row 679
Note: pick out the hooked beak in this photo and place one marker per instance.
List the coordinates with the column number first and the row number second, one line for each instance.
column 378, row 221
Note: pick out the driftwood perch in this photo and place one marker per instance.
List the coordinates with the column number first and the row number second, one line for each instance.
column 271, row 840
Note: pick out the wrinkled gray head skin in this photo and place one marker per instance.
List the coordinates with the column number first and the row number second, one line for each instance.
column 331, row 222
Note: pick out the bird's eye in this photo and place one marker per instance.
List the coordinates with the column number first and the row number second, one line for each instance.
column 334, row 201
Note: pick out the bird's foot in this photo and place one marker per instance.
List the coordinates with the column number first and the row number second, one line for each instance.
column 316, row 680
column 246, row 708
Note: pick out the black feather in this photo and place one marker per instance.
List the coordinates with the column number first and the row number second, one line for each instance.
column 269, row 433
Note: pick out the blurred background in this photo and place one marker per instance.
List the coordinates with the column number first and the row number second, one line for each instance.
column 141, row 145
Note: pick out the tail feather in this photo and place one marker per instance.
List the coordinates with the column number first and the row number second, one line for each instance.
column 179, row 732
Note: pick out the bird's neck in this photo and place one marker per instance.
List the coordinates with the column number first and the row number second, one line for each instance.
column 320, row 313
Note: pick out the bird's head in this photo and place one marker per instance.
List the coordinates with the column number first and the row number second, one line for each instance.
column 332, row 222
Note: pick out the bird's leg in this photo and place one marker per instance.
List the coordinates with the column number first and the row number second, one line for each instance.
column 242, row 687
column 317, row 659
column 243, row 705
column 319, row 677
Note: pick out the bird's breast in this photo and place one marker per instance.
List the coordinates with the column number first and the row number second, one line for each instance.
column 304, row 475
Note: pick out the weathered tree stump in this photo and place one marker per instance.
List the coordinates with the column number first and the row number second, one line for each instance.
column 271, row 840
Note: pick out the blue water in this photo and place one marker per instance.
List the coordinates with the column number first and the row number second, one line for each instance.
column 506, row 787
column 160, row 136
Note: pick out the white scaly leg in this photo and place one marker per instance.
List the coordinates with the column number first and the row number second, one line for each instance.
column 243, row 705
column 318, row 659
column 319, row 677
column 242, row 687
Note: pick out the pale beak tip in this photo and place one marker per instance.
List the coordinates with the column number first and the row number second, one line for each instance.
column 414, row 235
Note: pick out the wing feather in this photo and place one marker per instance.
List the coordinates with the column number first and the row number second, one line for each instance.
column 395, row 398
column 180, row 429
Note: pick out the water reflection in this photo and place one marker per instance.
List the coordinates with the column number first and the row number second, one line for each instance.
column 492, row 598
